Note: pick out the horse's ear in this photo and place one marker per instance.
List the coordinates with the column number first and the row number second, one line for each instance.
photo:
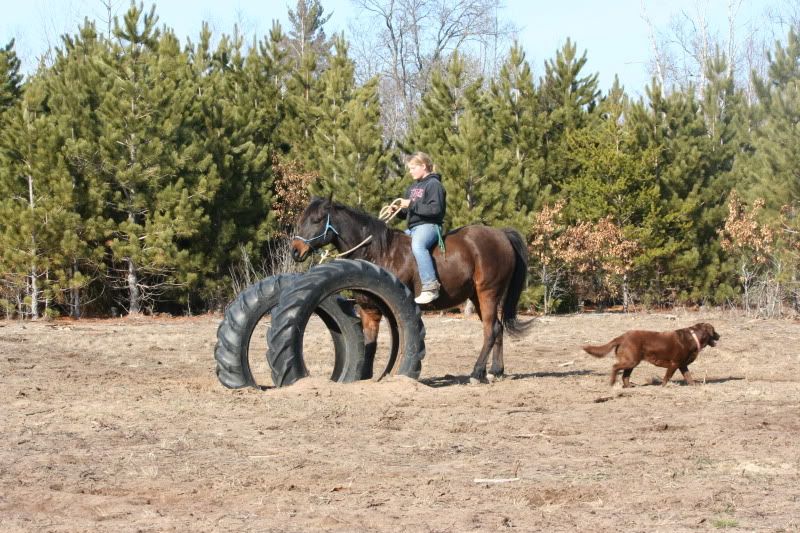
column 330, row 198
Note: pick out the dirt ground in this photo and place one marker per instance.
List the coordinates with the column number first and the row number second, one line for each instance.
column 122, row 425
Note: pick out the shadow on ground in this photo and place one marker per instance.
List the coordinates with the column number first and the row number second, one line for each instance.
column 448, row 379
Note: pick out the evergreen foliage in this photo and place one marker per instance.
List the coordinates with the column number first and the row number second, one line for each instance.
column 147, row 175
column 567, row 101
column 516, row 161
column 349, row 152
column 10, row 78
column 774, row 170
column 306, row 49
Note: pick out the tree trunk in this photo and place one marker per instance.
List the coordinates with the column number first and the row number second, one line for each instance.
column 33, row 287
column 75, row 296
column 133, row 289
column 625, row 293
column 746, row 288
column 546, row 284
column 45, row 295
column 33, row 293
column 75, row 302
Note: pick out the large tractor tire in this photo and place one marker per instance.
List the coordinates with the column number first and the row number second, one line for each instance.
column 298, row 302
column 258, row 300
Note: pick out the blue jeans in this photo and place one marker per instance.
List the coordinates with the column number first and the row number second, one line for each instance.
column 423, row 238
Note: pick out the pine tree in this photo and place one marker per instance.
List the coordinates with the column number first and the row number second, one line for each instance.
column 233, row 119
column 774, row 169
column 615, row 180
column 178, row 210
column 307, row 51
column 75, row 85
column 725, row 113
column 12, row 280
column 351, row 159
column 473, row 195
column 771, row 165
column 206, row 154
column 336, row 86
column 440, row 111
column 438, row 121
column 37, row 195
column 696, row 143
column 516, row 161
column 147, row 199
column 567, row 101
column 651, row 122
column 10, row 78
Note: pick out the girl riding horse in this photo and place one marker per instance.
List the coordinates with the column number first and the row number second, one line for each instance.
column 483, row 264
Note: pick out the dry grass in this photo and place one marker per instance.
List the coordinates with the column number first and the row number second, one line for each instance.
column 121, row 424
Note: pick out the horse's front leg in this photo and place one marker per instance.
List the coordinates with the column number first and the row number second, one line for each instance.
column 370, row 323
column 491, row 329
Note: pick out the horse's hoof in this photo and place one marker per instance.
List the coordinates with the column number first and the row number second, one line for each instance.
column 495, row 377
column 474, row 381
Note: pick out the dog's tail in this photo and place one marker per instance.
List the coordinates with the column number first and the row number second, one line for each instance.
column 601, row 351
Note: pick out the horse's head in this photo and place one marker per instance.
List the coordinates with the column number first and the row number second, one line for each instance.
column 314, row 228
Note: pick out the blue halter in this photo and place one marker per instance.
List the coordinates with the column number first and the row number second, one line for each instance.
column 328, row 226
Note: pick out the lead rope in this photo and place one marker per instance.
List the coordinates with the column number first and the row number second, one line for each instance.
column 324, row 255
column 441, row 241
column 387, row 213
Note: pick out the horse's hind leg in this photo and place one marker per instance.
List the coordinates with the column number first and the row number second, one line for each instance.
column 370, row 322
column 498, row 368
column 491, row 329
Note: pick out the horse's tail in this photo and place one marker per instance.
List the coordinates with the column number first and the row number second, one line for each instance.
column 517, row 285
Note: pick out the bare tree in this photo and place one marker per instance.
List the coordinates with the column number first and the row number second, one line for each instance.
column 683, row 51
column 694, row 43
column 783, row 16
column 405, row 41
column 110, row 9
column 754, row 60
column 657, row 65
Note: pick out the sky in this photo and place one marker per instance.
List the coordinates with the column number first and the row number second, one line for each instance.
column 613, row 33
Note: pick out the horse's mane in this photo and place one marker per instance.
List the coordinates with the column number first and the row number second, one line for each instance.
column 369, row 225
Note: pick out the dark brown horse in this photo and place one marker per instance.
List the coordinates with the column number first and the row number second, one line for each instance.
column 483, row 264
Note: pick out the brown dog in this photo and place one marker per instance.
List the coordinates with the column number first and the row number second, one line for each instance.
column 672, row 350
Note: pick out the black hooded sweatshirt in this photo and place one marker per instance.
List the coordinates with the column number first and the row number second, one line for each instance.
column 428, row 201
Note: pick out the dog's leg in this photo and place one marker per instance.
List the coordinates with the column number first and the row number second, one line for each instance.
column 615, row 370
column 668, row 376
column 687, row 375
column 626, row 378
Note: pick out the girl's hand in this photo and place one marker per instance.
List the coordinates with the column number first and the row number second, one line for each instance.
column 404, row 203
